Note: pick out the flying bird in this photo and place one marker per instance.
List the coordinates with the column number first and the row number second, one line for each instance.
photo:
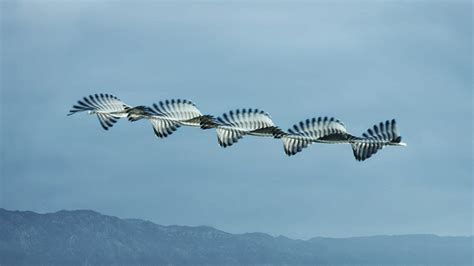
column 167, row 116
column 233, row 125
column 108, row 108
column 381, row 135
column 332, row 131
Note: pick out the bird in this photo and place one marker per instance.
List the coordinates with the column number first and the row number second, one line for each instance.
column 108, row 108
column 233, row 125
column 332, row 131
column 381, row 135
column 168, row 115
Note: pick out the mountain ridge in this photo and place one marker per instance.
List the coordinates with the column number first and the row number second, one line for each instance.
column 88, row 237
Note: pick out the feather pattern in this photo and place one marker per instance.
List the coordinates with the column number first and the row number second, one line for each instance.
column 380, row 135
column 163, row 128
column 246, row 119
column 319, row 129
column 176, row 110
column 233, row 125
column 167, row 116
column 108, row 108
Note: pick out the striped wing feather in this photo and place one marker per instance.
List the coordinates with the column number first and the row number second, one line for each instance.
column 233, row 125
column 100, row 103
column 363, row 151
column 164, row 128
column 228, row 136
column 317, row 128
column 247, row 120
column 322, row 129
column 107, row 107
column 376, row 138
column 177, row 110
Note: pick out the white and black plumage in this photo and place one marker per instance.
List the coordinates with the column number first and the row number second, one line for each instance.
column 108, row 108
column 320, row 129
column 167, row 116
column 333, row 131
column 380, row 135
column 233, row 125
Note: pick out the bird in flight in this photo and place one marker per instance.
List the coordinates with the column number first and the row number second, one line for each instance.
column 233, row 125
column 167, row 116
column 108, row 108
column 332, row 131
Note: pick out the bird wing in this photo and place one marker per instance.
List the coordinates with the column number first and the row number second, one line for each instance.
column 100, row 103
column 177, row 110
column 383, row 132
column 364, row 150
column 228, row 136
column 107, row 107
column 233, row 125
column 247, row 120
column 162, row 127
column 380, row 135
column 320, row 129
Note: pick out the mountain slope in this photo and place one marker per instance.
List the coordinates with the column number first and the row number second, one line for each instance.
column 87, row 237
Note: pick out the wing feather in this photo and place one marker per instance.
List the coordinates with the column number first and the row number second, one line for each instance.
column 164, row 128
column 233, row 125
column 318, row 129
column 107, row 107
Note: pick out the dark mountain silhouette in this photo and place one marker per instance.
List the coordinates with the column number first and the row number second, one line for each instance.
column 89, row 238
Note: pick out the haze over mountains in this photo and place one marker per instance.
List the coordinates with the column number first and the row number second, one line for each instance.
column 88, row 237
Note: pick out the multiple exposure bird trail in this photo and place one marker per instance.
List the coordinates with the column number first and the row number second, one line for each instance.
column 167, row 116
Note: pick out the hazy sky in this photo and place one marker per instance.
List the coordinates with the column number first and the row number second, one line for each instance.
column 362, row 62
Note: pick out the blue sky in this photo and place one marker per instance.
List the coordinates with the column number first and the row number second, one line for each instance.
column 361, row 62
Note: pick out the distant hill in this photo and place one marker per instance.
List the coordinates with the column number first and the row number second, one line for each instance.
column 88, row 238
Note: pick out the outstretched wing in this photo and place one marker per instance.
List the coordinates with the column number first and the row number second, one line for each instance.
column 176, row 110
column 376, row 138
column 99, row 103
column 228, row 136
column 107, row 107
column 231, row 126
column 364, row 150
column 384, row 132
column 247, row 120
column 163, row 128
column 167, row 116
column 294, row 144
column 320, row 129
column 183, row 111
